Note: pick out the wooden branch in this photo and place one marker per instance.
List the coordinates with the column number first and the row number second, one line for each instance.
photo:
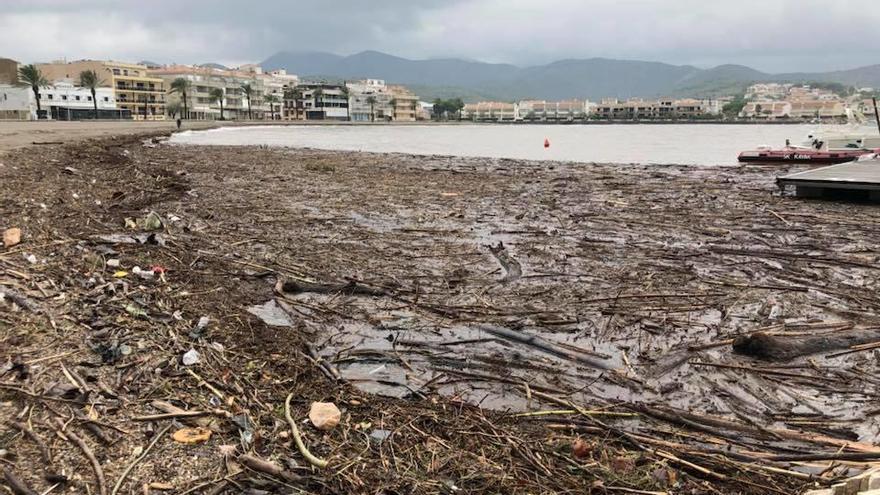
column 99, row 473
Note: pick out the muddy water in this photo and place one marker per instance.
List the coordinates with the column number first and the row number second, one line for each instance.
column 706, row 144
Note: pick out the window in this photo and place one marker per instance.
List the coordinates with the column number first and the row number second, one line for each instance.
column 64, row 97
column 106, row 99
column 77, row 98
column 116, row 72
column 88, row 98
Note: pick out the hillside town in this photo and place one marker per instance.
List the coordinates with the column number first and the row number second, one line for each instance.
column 105, row 89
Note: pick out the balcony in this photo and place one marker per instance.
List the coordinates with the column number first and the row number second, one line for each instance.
column 141, row 89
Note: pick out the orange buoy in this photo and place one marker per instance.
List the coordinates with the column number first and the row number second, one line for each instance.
column 546, row 143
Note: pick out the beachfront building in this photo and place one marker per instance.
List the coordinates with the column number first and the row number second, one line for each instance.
column 662, row 109
column 371, row 100
column 142, row 95
column 235, row 102
column 316, row 101
column 8, row 71
column 405, row 104
column 766, row 109
column 491, row 111
column 824, row 109
column 60, row 101
column 553, row 111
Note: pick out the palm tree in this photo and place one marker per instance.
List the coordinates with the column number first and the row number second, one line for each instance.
column 393, row 104
column 182, row 86
column 89, row 79
column 216, row 95
column 248, row 91
column 372, row 101
column 271, row 100
column 173, row 108
column 347, row 95
column 30, row 75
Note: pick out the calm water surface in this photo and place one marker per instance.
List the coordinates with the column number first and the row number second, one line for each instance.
column 705, row 144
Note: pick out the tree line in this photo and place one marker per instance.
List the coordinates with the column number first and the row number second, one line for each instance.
column 445, row 109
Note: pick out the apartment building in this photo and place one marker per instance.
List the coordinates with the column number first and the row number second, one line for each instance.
column 316, row 101
column 370, row 101
column 561, row 111
column 205, row 79
column 405, row 104
column 134, row 90
column 491, row 111
column 8, row 71
column 663, row 109
column 767, row 109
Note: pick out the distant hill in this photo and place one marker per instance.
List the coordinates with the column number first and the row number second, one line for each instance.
column 593, row 78
column 213, row 65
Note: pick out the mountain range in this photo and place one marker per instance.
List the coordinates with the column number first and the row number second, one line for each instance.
column 592, row 78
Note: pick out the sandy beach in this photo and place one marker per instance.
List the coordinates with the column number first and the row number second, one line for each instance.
column 493, row 325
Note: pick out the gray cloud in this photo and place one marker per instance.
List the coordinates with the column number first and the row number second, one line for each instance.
column 773, row 35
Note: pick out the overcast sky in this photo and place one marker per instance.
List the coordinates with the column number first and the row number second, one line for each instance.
column 770, row 35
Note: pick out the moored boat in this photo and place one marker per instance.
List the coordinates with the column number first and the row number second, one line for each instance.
column 791, row 154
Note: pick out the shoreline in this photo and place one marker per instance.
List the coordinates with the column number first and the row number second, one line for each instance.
column 423, row 273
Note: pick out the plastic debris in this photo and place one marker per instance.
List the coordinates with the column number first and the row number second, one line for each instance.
column 113, row 263
column 191, row 357
column 120, row 274
column 271, row 314
column 379, row 436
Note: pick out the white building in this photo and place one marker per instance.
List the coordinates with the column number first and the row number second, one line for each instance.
column 60, row 101
column 361, row 93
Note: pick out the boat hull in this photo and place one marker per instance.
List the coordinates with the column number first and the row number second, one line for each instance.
column 801, row 156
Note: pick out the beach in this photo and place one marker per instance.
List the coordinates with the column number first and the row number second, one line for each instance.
column 484, row 324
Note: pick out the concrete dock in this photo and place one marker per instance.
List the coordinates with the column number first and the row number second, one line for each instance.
column 859, row 180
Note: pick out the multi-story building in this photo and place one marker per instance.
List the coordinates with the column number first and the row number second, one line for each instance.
column 373, row 100
column 405, row 103
column 200, row 104
column 60, row 101
column 369, row 100
column 542, row 111
column 766, row 109
column 133, row 88
column 8, row 71
column 316, row 101
column 640, row 109
column 494, row 111
column 817, row 109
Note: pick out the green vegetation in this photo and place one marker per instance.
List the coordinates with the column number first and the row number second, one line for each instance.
column 733, row 108
column 89, row 79
column 839, row 89
column 216, row 95
column 272, row 100
column 182, row 87
column 248, row 91
column 372, row 101
column 445, row 108
column 30, row 75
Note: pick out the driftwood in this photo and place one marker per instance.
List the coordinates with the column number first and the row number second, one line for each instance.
column 349, row 288
column 18, row 486
column 774, row 348
column 512, row 268
column 544, row 345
